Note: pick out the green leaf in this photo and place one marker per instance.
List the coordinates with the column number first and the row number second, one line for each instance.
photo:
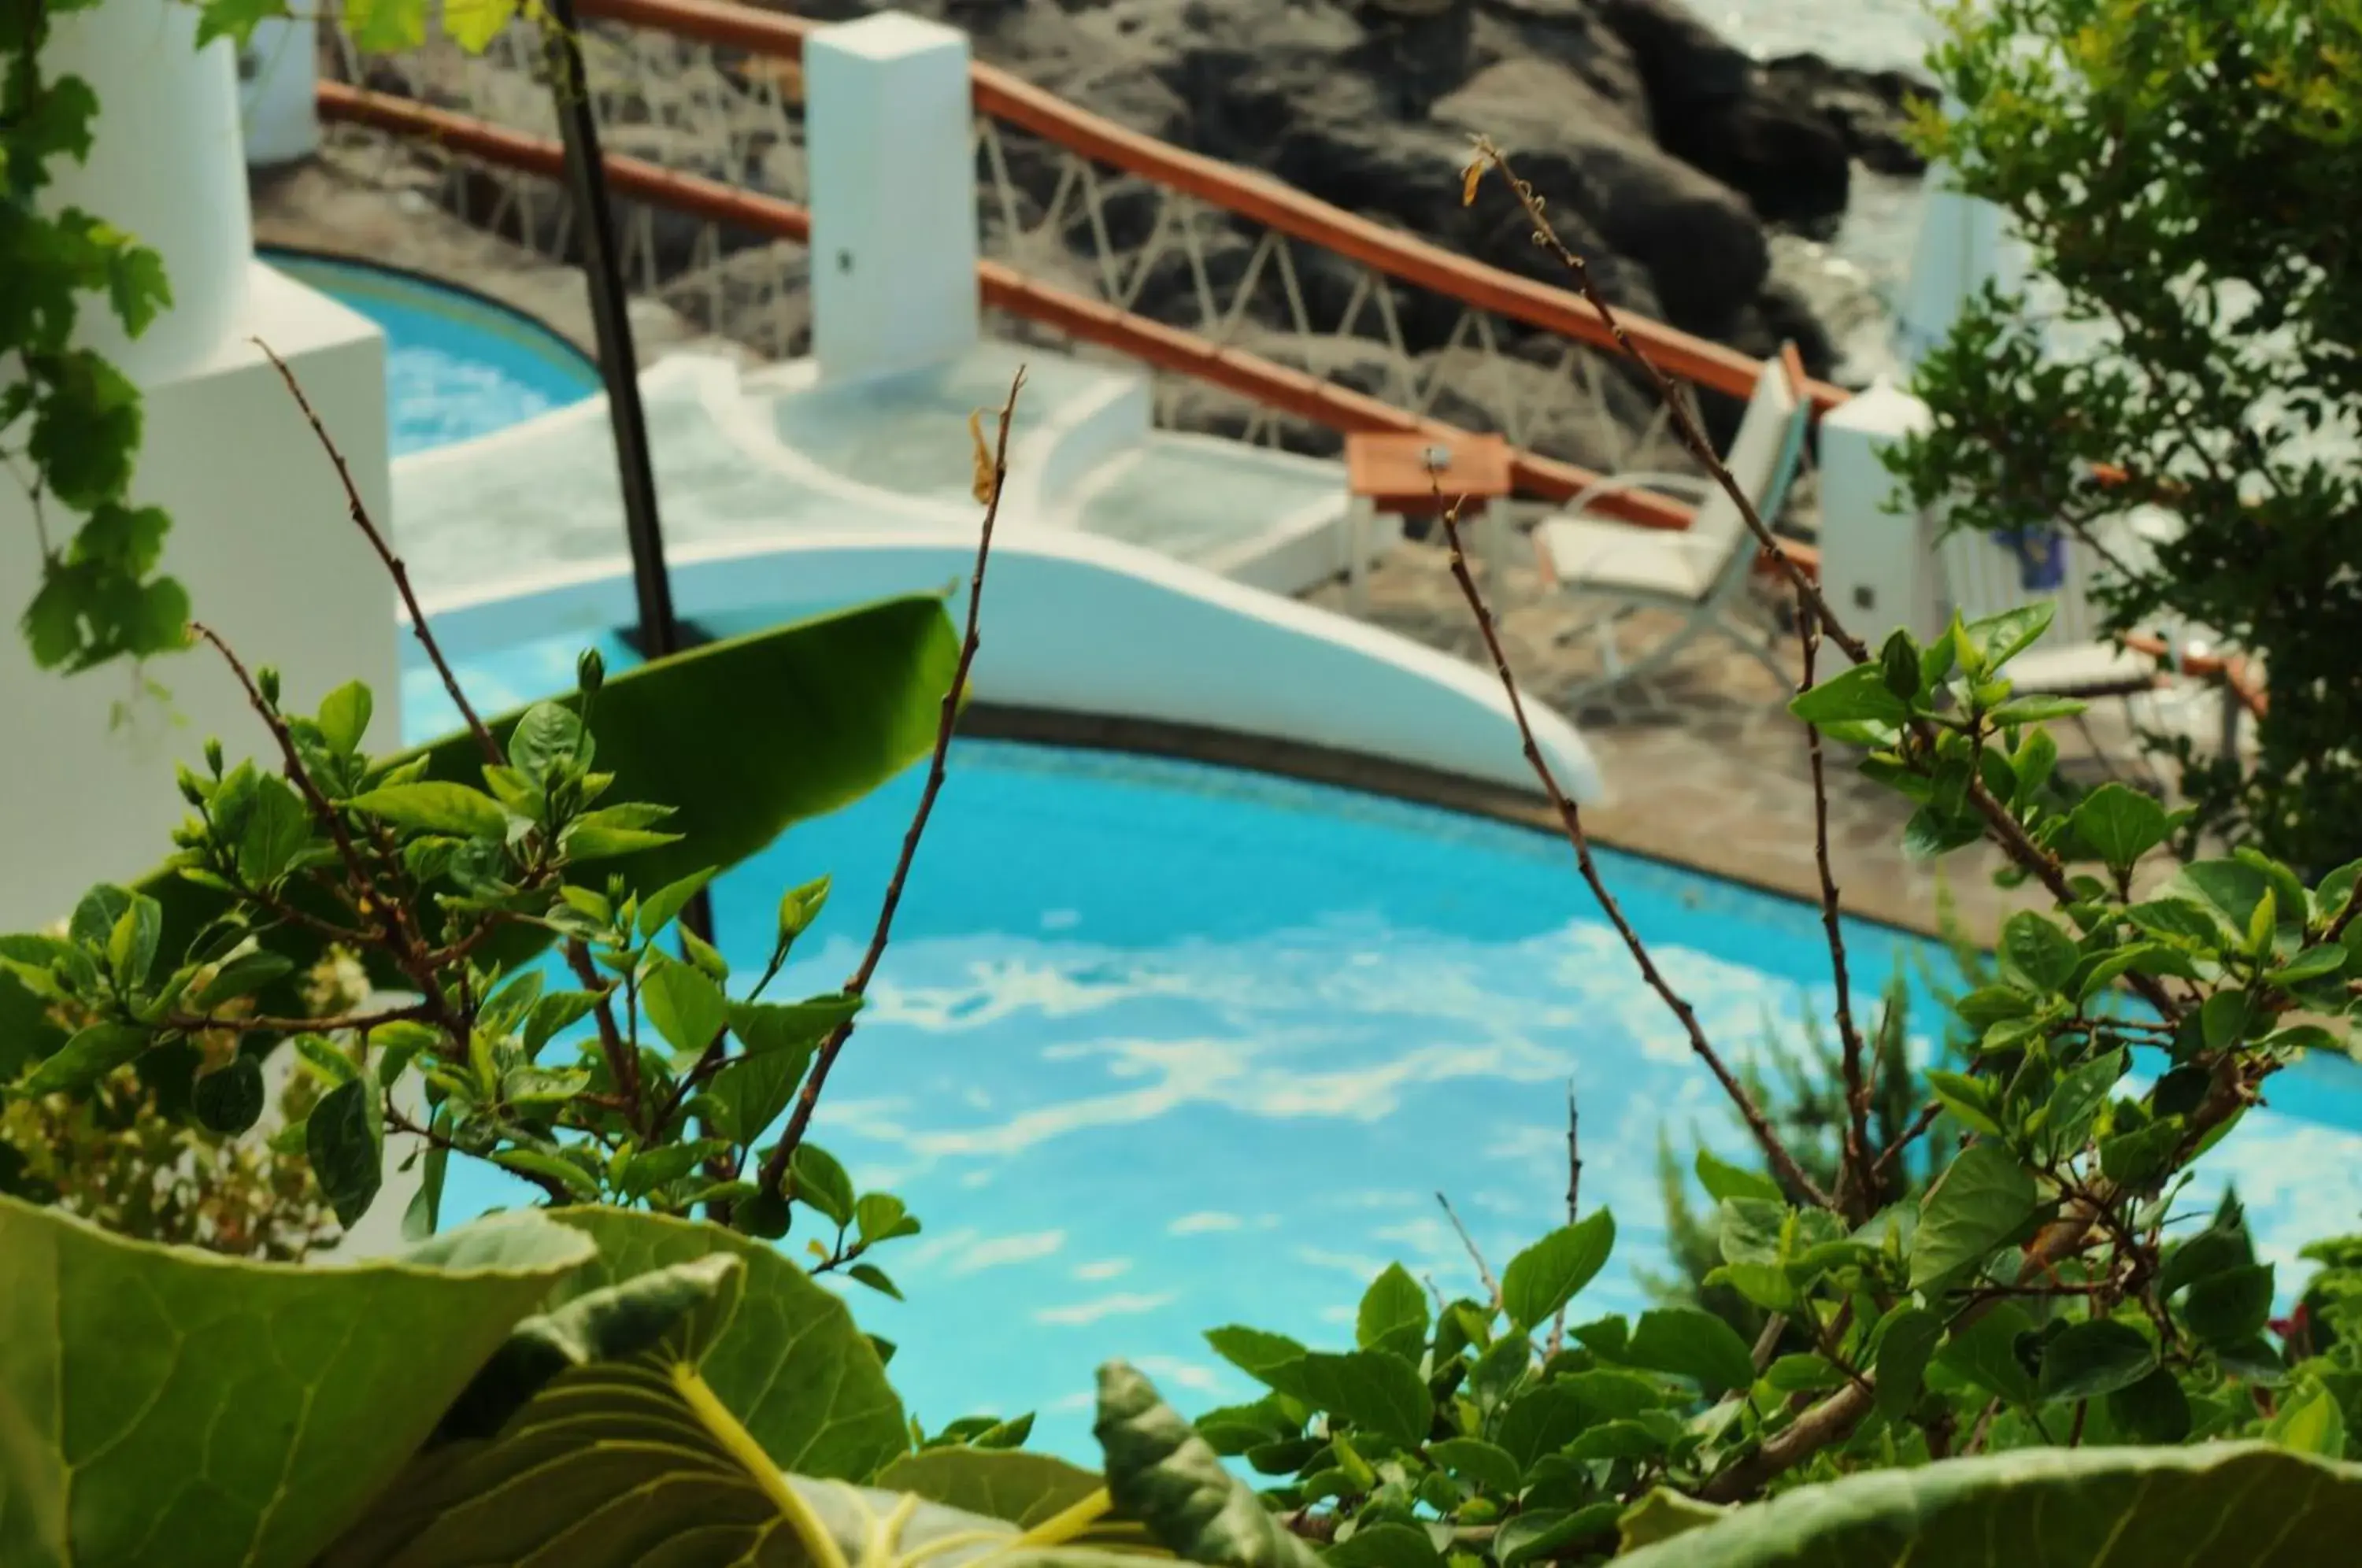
column 816, row 1179
column 612, row 1323
column 2037, row 951
column 764, row 1028
column 1986, row 1353
column 1480, row 1464
column 1909, row 1341
column 783, row 1354
column 1971, row 1101
column 2155, row 1409
column 1546, row 1534
column 1723, row 1180
column 1262, row 1356
column 661, row 907
column 1898, row 666
column 277, row 827
column 2095, row 1358
column 2119, row 825
column 876, row 1278
column 345, row 716
column 2138, row 1158
column 1379, row 1392
column 131, row 945
column 882, row 1216
column 435, row 807
column 2212, row 1251
column 685, row 1005
column 242, row 975
column 742, row 1100
column 123, row 1357
column 1933, row 833
column 1692, row 1344
column 1393, row 1315
column 1025, row 1489
column 547, row 741
column 2158, row 1508
column 1546, row 1276
column 88, row 1056
column 1392, row 1546
column 1858, row 695
column 2000, row 638
column 229, row 1098
column 1662, row 1515
column 2179, row 920
column 581, row 1182
column 2309, row 1423
column 1162, row 1474
column 1984, row 1200
column 595, row 837
column 745, row 737
column 344, row 1141
column 2035, row 708
column 2232, row 888
column 2229, row 1306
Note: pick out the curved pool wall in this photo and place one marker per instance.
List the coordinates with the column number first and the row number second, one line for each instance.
column 1080, row 625
column 459, row 364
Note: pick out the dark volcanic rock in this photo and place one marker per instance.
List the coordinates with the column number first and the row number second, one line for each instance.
column 1870, row 110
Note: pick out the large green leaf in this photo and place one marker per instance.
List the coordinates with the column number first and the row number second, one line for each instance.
column 1002, row 1483
column 744, row 738
column 785, row 1358
column 2211, row 1507
column 165, row 1405
column 1163, row 1475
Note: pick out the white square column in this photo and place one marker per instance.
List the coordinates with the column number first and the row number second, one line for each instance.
column 1878, row 553
column 889, row 128
column 262, row 540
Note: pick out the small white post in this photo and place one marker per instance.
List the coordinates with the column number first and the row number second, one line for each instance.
column 1877, row 554
column 889, row 124
column 279, row 75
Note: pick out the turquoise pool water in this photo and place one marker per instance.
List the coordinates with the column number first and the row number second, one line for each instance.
column 1160, row 1047
column 457, row 366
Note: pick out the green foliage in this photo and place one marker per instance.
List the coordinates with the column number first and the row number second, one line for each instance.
column 70, row 421
column 2179, row 170
column 444, row 874
column 2161, row 1508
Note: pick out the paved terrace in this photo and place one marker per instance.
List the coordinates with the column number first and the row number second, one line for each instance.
column 1715, row 777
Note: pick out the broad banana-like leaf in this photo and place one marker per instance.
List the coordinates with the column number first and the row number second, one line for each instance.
column 2206, row 1507
column 162, row 1405
column 783, row 1355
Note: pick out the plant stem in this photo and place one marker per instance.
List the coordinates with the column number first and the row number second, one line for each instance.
column 393, row 565
column 1571, row 822
column 775, row 1168
column 1858, row 1187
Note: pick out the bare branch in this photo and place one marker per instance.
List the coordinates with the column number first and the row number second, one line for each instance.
column 775, row 1170
column 1857, row 1186
column 1571, row 822
column 1484, row 1273
column 393, row 566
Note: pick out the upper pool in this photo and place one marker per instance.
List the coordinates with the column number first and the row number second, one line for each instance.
column 1160, row 1046
column 456, row 365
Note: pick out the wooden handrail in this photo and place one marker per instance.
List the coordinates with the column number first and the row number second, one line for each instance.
column 1265, row 381
column 1250, row 195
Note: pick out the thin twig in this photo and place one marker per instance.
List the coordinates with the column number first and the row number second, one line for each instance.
column 775, row 1170
column 205, row 1023
column 1571, row 822
column 1556, row 1341
column 1860, row 1183
column 1484, row 1273
column 1768, row 1340
column 1894, row 1151
column 400, row 573
column 2003, row 828
column 623, row 1062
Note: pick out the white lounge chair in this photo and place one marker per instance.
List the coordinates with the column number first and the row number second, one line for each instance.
column 1700, row 572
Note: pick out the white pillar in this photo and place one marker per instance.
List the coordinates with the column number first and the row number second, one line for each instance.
column 167, row 166
column 279, row 75
column 1878, row 555
column 887, row 127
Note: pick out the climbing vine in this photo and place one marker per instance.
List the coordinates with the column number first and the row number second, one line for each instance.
column 71, row 420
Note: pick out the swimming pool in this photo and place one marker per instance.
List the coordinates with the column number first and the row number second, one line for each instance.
column 1160, row 1047
column 456, row 365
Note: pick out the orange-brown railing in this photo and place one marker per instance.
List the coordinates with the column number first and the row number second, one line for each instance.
column 1248, row 195
column 1265, row 382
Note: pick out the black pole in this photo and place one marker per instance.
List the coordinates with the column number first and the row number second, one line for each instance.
column 611, row 320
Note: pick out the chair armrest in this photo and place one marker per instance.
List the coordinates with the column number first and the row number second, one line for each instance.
column 1697, row 484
